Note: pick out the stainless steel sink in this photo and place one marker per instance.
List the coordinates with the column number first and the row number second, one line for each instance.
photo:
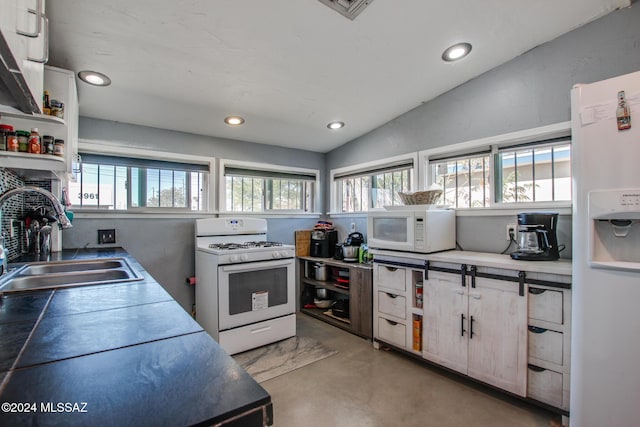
column 73, row 266
column 58, row 274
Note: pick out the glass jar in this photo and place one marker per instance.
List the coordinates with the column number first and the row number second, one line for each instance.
column 57, row 108
column 4, row 130
column 23, row 140
column 12, row 142
column 35, row 145
column 58, row 148
column 47, row 144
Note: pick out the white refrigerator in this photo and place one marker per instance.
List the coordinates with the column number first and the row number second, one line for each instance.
column 605, row 341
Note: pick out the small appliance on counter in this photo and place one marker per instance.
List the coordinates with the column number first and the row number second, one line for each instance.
column 351, row 247
column 323, row 243
column 538, row 240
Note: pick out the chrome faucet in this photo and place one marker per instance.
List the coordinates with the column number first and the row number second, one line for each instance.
column 63, row 221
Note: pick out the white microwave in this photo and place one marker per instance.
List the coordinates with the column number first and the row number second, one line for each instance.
column 410, row 230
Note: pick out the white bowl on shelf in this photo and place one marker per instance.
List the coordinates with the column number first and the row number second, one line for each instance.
column 322, row 303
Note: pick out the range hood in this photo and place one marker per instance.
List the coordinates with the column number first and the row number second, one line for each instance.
column 14, row 90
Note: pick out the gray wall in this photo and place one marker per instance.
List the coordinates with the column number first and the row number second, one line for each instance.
column 530, row 91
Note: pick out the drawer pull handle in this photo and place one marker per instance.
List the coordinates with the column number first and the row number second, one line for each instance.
column 260, row 330
column 391, row 322
column 537, row 330
column 537, row 291
column 475, row 296
column 462, row 330
column 470, row 327
column 458, row 291
column 391, row 269
column 391, row 295
column 536, row 368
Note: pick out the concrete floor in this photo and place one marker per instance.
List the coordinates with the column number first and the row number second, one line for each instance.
column 361, row 386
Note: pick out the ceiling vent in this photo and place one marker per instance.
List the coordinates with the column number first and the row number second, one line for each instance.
column 348, row 8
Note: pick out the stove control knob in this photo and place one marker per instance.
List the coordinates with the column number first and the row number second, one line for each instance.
column 275, row 255
column 244, row 257
column 234, row 258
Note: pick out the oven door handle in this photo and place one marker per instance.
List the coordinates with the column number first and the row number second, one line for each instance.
column 260, row 265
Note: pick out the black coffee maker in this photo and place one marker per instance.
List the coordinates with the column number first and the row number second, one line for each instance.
column 323, row 243
column 538, row 240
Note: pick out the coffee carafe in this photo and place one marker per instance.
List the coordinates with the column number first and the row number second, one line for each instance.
column 538, row 240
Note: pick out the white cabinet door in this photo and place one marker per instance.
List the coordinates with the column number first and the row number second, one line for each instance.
column 445, row 317
column 498, row 335
column 24, row 28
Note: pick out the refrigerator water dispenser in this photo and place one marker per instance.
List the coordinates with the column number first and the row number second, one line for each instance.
column 614, row 238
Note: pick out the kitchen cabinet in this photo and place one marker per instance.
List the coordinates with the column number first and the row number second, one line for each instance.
column 549, row 338
column 397, row 304
column 499, row 321
column 24, row 50
column 355, row 286
column 62, row 86
column 477, row 326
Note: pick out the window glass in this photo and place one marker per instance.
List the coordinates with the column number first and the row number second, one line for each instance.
column 118, row 187
column 465, row 181
column 535, row 174
column 375, row 190
column 256, row 190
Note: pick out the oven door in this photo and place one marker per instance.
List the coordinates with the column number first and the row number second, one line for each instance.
column 255, row 291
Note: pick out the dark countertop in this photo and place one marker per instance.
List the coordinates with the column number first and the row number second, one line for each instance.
column 116, row 354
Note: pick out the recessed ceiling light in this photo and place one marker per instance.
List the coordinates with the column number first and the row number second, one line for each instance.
column 335, row 125
column 94, row 78
column 457, row 51
column 234, row 120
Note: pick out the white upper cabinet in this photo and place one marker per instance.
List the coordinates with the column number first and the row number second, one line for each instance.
column 24, row 49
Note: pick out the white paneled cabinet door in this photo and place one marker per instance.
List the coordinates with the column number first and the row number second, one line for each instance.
column 445, row 320
column 498, row 335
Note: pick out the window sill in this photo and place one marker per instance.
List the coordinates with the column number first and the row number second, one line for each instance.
column 189, row 215
column 562, row 209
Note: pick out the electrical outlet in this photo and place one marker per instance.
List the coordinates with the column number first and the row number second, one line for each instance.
column 107, row 236
column 511, row 229
column 353, row 227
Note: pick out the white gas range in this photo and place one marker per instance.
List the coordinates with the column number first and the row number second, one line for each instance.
column 245, row 285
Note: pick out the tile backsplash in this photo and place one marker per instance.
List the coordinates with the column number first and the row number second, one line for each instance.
column 15, row 208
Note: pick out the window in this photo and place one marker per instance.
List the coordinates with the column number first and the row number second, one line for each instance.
column 364, row 187
column 538, row 173
column 465, row 181
column 532, row 166
column 250, row 187
column 128, row 184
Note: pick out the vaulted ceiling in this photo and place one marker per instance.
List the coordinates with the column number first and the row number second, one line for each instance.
column 290, row 67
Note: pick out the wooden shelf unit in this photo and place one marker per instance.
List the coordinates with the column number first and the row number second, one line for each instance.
column 359, row 293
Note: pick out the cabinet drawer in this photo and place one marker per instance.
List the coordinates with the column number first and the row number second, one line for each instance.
column 392, row 332
column 545, row 304
column 544, row 385
column 391, row 277
column 394, row 305
column 545, row 344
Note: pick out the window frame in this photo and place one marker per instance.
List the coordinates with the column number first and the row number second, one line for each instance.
column 107, row 149
column 266, row 167
column 364, row 168
column 494, row 143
